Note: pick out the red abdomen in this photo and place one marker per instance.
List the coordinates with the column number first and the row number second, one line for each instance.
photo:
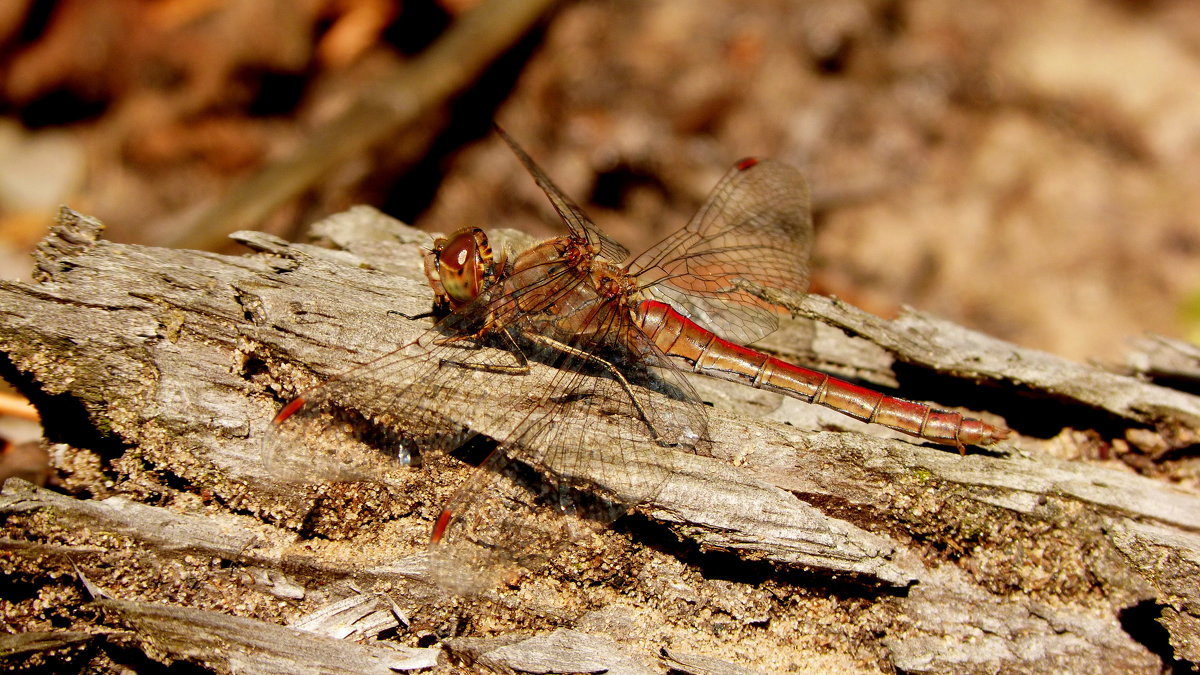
column 681, row 338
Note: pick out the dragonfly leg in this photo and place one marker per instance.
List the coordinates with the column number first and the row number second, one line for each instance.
column 612, row 370
column 521, row 367
column 413, row 317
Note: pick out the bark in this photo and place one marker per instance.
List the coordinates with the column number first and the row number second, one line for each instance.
column 805, row 539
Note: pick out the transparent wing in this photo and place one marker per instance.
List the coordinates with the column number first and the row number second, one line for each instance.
column 359, row 425
column 581, row 459
column 574, row 217
column 573, row 455
column 396, row 406
column 750, row 242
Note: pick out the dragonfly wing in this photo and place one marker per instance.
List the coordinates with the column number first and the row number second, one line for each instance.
column 363, row 423
column 573, row 216
column 582, row 457
column 512, row 517
column 748, row 244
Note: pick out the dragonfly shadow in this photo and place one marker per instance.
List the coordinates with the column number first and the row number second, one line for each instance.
column 475, row 451
column 341, row 441
column 1030, row 413
column 729, row 566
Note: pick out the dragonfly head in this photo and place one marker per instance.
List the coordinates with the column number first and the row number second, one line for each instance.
column 460, row 267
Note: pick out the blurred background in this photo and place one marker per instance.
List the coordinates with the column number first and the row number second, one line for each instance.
column 1028, row 169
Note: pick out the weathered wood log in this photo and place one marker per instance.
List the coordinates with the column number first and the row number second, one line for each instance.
column 156, row 372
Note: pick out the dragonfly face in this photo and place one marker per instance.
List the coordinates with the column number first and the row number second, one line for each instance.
column 459, row 268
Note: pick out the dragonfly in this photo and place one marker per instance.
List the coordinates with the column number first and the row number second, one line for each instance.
column 612, row 338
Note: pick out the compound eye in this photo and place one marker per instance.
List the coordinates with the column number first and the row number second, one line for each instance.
column 462, row 263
